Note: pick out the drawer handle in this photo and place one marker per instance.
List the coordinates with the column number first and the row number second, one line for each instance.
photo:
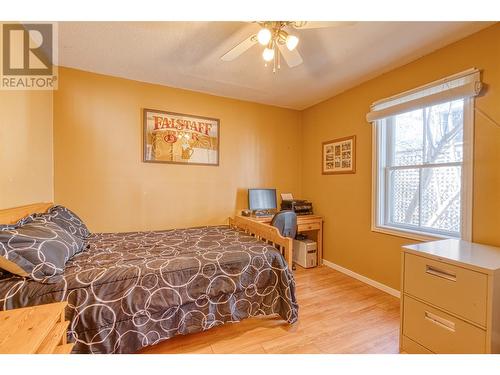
column 450, row 326
column 440, row 273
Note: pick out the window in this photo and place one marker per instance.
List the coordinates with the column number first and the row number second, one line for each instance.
column 422, row 160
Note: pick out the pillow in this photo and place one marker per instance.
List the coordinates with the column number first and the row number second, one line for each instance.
column 65, row 218
column 37, row 250
column 20, row 222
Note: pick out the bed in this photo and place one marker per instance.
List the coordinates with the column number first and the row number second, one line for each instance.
column 130, row 290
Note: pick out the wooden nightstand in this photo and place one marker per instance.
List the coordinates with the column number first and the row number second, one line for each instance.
column 34, row 330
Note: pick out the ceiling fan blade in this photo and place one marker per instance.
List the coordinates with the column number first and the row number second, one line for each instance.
column 292, row 58
column 303, row 25
column 239, row 48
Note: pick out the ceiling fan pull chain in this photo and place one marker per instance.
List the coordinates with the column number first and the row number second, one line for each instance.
column 275, row 58
column 279, row 58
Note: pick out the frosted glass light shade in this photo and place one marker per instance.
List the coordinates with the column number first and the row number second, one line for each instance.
column 291, row 42
column 268, row 54
column 264, row 36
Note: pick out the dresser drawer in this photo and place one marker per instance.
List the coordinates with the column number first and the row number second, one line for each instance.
column 411, row 347
column 460, row 291
column 308, row 226
column 440, row 332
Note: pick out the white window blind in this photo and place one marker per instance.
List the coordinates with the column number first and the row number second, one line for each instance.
column 422, row 159
column 462, row 85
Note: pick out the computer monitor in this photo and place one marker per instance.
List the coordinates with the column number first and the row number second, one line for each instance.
column 262, row 199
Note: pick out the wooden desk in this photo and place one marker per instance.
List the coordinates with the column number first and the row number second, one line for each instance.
column 310, row 224
column 34, row 330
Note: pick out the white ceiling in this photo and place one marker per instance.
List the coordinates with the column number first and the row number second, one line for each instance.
column 187, row 55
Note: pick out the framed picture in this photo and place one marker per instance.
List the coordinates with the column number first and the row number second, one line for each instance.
column 179, row 138
column 339, row 156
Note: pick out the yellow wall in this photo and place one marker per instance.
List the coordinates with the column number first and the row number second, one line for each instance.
column 99, row 173
column 345, row 200
column 98, row 151
column 26, row 163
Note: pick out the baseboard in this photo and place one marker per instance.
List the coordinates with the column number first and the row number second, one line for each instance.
column 366, row 280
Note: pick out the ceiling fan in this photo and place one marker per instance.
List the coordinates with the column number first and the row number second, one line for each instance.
column 277, row 38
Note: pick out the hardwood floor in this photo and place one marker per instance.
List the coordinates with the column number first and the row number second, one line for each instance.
column 337, row 314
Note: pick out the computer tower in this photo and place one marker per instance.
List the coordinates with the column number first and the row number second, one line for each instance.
column 305, row 253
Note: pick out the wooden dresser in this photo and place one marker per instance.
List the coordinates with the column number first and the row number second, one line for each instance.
column 450, row 300
column 34, row 330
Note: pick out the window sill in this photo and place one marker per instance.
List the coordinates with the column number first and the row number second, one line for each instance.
column 412, row 235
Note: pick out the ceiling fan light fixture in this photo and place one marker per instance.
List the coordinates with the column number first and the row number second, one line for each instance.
column 291, row 42
column 264, row 36
column 268, row 54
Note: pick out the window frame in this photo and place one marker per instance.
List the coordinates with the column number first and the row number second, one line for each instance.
column 379, row 184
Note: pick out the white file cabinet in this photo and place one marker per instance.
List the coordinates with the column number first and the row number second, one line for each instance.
column 450, row 300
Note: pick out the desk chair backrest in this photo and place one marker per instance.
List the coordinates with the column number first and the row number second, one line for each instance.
column 286, row 222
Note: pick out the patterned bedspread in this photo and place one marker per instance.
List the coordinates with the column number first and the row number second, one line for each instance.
column 130, row 290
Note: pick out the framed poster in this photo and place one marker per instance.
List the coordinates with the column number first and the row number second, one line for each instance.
column 179, row 138
column 339, row 156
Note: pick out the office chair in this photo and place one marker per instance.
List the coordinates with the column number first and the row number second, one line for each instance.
column 286, row 222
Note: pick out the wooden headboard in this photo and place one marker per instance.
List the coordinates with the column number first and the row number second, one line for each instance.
column 12, row 215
